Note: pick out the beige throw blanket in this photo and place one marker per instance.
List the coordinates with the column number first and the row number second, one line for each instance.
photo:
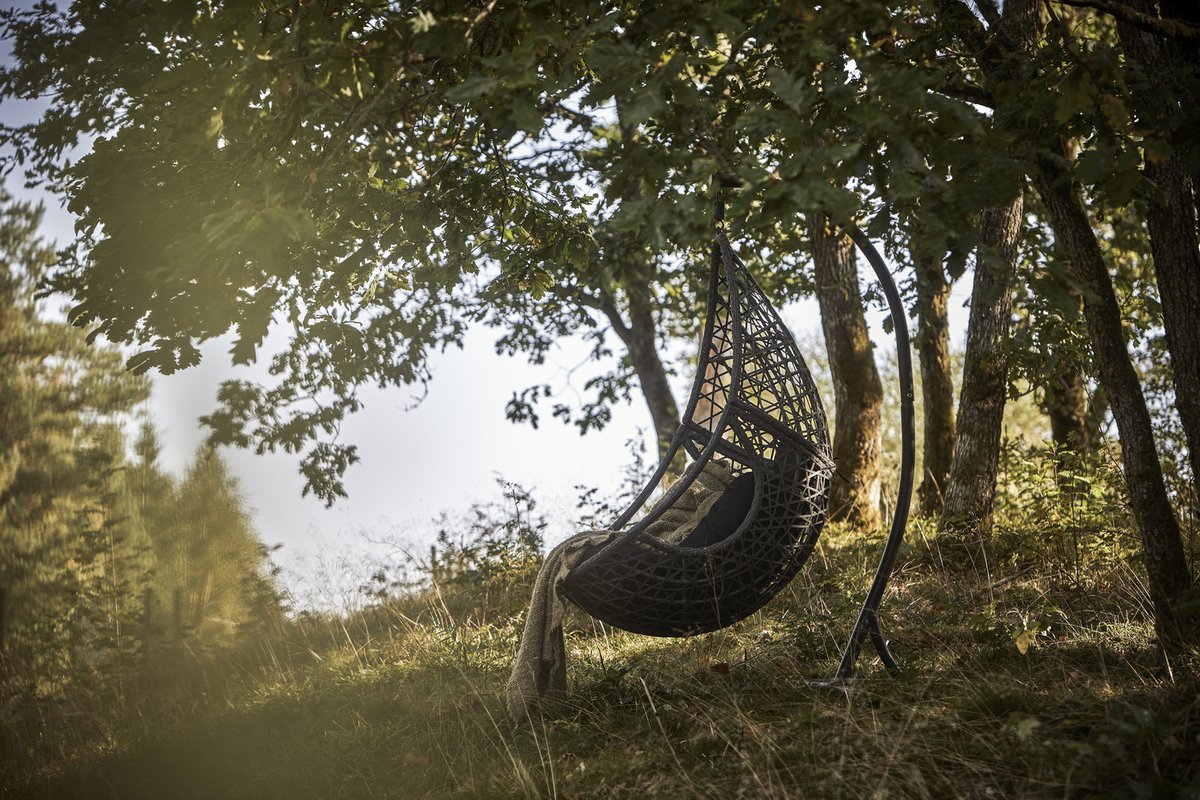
column 539, row 674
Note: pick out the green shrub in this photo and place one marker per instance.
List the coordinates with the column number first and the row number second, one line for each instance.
column 484, row 562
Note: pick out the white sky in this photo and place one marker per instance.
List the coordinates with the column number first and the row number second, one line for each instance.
column 417, row 462
column 438, row 456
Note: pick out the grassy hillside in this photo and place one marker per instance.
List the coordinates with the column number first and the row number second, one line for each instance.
column 405, row 700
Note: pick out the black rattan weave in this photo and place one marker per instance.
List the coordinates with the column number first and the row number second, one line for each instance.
column 754, row 403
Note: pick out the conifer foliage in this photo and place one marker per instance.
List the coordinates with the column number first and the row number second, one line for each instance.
column 102, row 554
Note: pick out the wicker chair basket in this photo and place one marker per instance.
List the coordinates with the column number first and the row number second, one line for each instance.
column 754, row 403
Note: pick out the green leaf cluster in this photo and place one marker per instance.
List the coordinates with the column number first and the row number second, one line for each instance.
column 367, row 179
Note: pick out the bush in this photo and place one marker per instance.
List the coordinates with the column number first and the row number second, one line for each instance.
column 484, row 562
column 1063, row 510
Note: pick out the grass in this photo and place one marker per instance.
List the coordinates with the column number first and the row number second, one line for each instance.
column 406, row 701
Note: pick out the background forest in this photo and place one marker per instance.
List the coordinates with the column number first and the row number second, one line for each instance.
column 105, row 557
column 372, row 180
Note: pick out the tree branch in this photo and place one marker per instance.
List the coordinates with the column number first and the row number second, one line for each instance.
column 578, row 117
column 965, row 24
column 989, row 11
column 968, row 28
column 609, row 309
column 967, row 92
column 581, row 297
column 1160, row 26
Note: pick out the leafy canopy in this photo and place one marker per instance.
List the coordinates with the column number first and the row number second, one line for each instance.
column 369, row 177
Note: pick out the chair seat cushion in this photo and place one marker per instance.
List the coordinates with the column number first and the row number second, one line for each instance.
column 726, row 514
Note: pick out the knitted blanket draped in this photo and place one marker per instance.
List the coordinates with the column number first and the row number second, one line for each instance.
column 539, row 673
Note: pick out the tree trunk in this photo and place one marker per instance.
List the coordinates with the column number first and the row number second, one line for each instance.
column 1065, row 394
column 971, row 490
column 1171, row 221
column 1162, row 547
column 1187, row 57
column 858, row 392
column 937, row 382
column 638, row 336
column 1098, row 409
column 1075, row 438
column 1066, row 406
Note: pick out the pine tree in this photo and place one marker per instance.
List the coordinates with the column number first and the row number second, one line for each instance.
column 72, row 551
column 205, row 546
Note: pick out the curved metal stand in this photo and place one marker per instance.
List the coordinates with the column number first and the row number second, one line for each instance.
column 868, row 617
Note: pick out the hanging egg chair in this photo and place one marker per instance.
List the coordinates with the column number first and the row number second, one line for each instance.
column 754, row 404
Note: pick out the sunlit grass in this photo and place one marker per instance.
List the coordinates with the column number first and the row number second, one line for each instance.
column 406, row 700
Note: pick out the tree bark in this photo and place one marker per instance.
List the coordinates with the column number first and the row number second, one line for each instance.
column 1065, row 396
column 1162, row 546
column 1171, row 221
column 937, row 382
column 1066, row 406
column 971, row 490
column 1187, row 56
column 639, row 337
column 858, row 392
column 1098, row 409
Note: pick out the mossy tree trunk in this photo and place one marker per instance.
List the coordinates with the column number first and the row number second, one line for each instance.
column 937, row 382
column 971, row 489
column 858, row 391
